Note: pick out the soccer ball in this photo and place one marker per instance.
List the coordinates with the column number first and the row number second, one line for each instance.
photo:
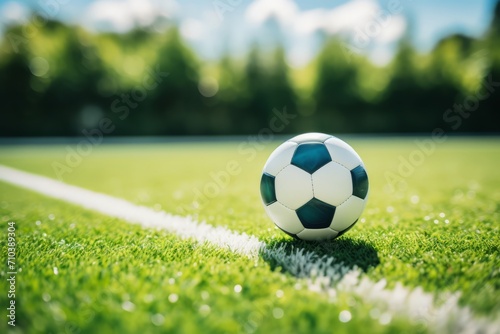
column 314, row 186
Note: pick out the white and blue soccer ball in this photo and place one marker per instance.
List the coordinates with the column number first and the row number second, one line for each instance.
column 314, row 187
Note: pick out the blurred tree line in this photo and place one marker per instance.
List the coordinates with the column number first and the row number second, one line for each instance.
column 60, row 80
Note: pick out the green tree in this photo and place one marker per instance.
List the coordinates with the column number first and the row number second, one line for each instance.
column 399, row 106
column 73, row 88
column 176, row 106
column 338, row 103
column 265, row 87
column 18, row 104
column 443, row 75
column 268, row 85
column 227, row 107
column 487, row 117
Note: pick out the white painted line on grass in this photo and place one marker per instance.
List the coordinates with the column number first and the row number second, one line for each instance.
column 325, row 276
column 320, row 273
column 184, row 227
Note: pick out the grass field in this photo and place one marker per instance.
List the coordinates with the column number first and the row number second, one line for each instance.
column 85, row 272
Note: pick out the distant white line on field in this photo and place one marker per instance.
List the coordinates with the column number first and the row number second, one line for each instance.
column 321, row 273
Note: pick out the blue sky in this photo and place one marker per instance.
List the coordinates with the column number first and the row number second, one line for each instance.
column 214, row 26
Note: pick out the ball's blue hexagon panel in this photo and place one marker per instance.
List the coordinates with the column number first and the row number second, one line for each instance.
column 316, row 214
column 311, row 157
column 359, row 182
column 267, row 189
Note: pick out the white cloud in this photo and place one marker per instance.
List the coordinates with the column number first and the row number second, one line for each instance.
column 395, row 28
column 13, row 12
column 284, row 11
column 358, row 21
column 339, row 19
column 310, row 21
column 348, row 17
column 110, row 15
column 121, row 16
column 192, row 29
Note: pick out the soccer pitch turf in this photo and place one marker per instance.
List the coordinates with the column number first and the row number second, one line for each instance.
column 435, row 235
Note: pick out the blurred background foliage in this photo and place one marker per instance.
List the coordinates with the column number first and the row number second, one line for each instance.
column 58, row 79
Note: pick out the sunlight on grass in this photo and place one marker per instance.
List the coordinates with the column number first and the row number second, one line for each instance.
column 440, row 231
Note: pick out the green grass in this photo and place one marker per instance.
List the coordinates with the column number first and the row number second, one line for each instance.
column 439, row 232
column 113, row 277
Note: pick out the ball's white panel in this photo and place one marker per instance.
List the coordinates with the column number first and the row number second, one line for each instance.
column 280, row 158
column 318, row 234
column 342, row 153
column 293, row 187
column 310, row 137
column 332, row 183
column 347, row 213
column 285, row 218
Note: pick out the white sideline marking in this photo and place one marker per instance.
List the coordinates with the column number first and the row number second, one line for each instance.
column 184, row 227
column 320, row 272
